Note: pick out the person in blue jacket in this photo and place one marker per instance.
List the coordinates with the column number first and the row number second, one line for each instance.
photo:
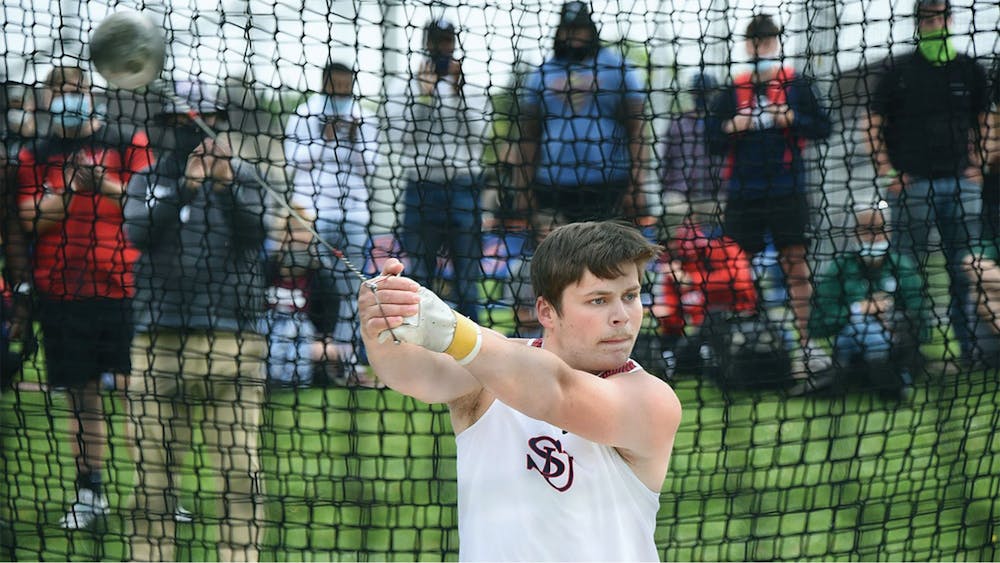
column 761, row 123
column 581, row 120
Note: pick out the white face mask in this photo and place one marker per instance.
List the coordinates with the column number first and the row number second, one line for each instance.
column 71, row 110
column 766, row 65
column 17, row 118
column 340, row 106
column 873, row 251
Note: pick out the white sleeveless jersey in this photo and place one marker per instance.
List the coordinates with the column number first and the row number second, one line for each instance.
column 528, row 491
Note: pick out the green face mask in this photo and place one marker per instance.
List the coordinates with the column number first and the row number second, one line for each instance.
column 936, row 47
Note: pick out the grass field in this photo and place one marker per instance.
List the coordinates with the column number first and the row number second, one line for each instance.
column 363, row 474
column 369, row 475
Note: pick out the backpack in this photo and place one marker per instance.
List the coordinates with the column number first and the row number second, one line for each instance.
column 742, row 352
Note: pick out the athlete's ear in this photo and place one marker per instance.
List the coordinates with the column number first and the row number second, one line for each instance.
column 546, row 312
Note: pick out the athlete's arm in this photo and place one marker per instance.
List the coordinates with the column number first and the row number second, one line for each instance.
column 427, row 376
column 635, row 411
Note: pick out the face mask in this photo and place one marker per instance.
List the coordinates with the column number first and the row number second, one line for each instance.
column 936, row 47
column 341, row 105
column 872, row 252
column 16, row 119
column 71, row 110
column 564, row 52
column 765, row 65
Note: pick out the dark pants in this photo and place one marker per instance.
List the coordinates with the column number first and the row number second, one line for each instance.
column 85, row 338
column 445, row 217
column 991, row 208
column 954, row 205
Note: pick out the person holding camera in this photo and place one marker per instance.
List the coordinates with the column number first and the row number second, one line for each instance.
column 71, row 184
column 198, row 217
column 441, row 139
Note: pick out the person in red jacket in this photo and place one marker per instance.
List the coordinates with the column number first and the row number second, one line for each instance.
column 701, row 274
column 71, row 184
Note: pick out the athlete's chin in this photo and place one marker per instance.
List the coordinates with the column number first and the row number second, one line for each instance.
column 611, row 357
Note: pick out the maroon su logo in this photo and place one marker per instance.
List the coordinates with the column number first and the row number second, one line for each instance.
column 551, row 462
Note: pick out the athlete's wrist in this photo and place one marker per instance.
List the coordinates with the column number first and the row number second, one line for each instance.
column 467, row 340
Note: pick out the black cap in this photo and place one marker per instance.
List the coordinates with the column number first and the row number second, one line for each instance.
column 762, row 26
column 931, row 3
column 575, row 14
column 439, row 29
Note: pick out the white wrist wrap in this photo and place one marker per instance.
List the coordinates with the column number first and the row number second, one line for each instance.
column 436, row 327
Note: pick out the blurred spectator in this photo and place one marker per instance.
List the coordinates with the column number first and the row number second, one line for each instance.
column 523, row 293
column 870, row 300
column 761, row 123
column 691, row 175
column 582, row 152
column 983, row 272
column 72, row 184
column 926, row 129
column 331, row 147
column 18, row 130
column 703, row 272
column 20, row 124
column 199, row 219
column 300, row 309
column 443, row 128
column 991, row 181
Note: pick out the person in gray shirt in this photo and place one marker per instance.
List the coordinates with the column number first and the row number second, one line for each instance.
column 442, row 124
column 198, row 217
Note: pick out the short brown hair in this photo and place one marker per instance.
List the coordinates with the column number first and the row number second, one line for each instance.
column 62, row 75
column 601, row 248
column 762, row 26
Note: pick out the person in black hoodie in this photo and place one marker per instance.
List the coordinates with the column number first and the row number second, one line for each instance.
column 926, row 130
column 198, row 218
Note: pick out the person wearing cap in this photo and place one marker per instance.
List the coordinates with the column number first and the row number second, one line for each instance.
column 331, row 151
column 443, row 123
column 71, row 186
column 581, row 152
column 926, row 130
column 199, row 219
column 761, row 123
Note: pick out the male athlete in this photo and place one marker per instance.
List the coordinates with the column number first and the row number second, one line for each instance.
column 563, row 442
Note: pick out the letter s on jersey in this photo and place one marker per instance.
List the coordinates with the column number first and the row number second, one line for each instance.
column 552, row 463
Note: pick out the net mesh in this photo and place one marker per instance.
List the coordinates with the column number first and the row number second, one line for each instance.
column 351, row 470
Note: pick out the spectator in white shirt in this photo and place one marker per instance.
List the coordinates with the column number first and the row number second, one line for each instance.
column 331, row 149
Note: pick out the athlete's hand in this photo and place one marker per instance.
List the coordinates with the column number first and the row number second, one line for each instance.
column 396, row 299
column 783, row 115
column 433, row 325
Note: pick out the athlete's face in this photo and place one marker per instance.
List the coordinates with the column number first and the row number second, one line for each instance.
column 598, row 321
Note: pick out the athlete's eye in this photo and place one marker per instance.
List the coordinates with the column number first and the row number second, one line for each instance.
column 597, row 301
column 631, row 296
